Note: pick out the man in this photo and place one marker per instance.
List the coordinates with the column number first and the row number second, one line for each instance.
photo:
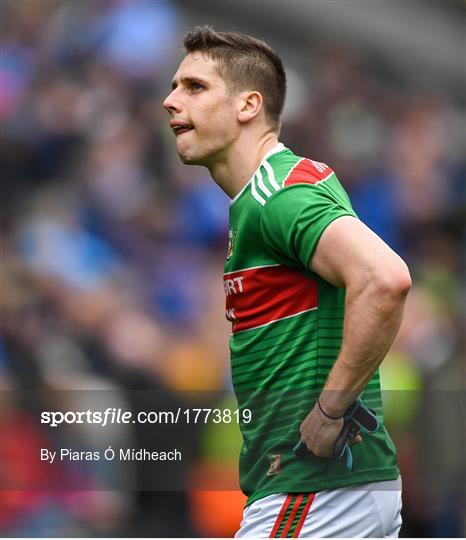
column 315, row 299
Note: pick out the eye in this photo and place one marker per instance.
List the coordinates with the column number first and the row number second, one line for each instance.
column 196, row 87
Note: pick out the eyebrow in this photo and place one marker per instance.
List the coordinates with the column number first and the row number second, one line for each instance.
column 188, row 80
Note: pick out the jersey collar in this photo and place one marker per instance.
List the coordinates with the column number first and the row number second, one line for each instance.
column 279, row 147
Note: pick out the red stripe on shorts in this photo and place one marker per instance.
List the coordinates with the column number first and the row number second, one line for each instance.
column 287, row 527
column 300, row 523
column 280, row 516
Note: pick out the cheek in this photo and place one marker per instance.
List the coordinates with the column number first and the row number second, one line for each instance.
column 222, row 120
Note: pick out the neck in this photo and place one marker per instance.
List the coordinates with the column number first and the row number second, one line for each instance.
column 234, row 169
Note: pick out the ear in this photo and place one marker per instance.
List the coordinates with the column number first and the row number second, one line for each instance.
column 250, row 106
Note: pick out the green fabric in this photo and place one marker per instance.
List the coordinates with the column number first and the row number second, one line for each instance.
column 294, row 218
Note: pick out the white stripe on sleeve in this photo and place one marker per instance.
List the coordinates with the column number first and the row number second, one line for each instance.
column 255, row 194
column 271, row 176
column 262, row 186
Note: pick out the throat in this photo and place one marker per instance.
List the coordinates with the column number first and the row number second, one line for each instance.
column 233, row 168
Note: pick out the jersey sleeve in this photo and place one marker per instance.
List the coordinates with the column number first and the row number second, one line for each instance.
column 294, row 218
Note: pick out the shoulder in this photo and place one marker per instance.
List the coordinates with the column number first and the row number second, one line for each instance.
column 283, row 170
column 307, row 171
column 291, row 169
column 307, row 186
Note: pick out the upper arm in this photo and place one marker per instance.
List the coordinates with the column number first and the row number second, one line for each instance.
column 349, row 252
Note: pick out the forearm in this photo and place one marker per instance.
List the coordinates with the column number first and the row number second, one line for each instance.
column 373, row 315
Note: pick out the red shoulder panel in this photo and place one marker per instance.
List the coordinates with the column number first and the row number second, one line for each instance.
column 308, row 171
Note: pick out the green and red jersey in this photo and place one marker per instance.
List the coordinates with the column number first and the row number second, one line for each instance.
column 287, row 326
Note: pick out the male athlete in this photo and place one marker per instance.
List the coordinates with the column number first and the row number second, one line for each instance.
column 315, row 299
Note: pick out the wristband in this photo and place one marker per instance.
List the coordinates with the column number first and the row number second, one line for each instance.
column 327, row 415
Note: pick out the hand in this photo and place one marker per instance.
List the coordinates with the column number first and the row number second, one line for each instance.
column 319, row 433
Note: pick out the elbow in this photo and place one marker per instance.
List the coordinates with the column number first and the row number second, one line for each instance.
column 394, row 283
column 401, row 285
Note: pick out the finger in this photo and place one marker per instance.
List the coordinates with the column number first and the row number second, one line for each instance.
column 356, row 440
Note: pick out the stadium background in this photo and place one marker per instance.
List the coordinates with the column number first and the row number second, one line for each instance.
column 112, row 251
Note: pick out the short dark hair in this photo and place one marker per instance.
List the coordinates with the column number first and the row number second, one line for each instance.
column 244, row 62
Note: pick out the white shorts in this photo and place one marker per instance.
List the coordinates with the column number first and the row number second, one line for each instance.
column 365, row 511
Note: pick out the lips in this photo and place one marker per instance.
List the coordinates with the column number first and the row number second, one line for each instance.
column 180, row 127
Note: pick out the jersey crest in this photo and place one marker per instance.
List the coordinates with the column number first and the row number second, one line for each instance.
column 231, row 242
column 275, row 464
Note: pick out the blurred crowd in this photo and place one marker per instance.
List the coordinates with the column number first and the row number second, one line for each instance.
column 112, row 254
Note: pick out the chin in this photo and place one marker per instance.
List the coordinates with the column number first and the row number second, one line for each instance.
column 191, row 154
column 188, row 158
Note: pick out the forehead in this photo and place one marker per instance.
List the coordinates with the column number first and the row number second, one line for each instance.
column 198, row 64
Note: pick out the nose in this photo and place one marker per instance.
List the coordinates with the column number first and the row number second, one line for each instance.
column 171, row 104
